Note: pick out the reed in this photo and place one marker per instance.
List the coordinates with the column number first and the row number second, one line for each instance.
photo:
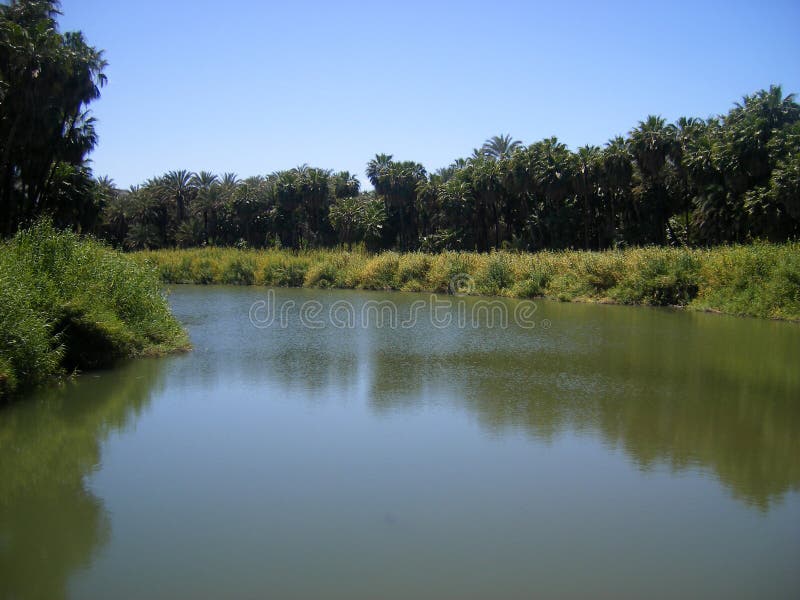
column 759, row 279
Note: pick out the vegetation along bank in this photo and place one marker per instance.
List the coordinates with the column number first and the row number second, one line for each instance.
column 760, row 279
column 70, row 303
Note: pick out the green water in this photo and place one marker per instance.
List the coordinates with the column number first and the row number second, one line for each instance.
column 605, row 452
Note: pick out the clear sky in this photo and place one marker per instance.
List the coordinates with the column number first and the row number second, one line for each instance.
column 253, row 87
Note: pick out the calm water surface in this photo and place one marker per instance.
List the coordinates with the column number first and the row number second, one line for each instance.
column 621, row 452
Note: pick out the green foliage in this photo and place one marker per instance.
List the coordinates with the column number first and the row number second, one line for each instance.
column 358, row 219
column 496, row 275
column 380, row 273
column 286, row 272
column 531, row 287
column 68, row 302
column 662, row 280
column 761, row 279
column 47, row 80
column 239, row 271
column 694, row 183
column 412, row 271
column 322, row 275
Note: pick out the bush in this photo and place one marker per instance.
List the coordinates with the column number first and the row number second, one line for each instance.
column 285, row 273
column 533, row 286
column 380, row 273
column 204, row 272
column 322, row 275
column 413, row 267
column 761, row 280
column 68, row 302
column 239, row 271
column 496, row 275
column 662, row 279
column 451, row 268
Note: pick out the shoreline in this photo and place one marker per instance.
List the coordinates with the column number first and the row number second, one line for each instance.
column 758, row 280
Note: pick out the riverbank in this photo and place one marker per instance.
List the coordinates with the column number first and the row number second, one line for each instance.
column 69, row 303
column 759, row 280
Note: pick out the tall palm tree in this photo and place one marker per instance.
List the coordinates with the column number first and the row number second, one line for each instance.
column 487, row 178
column 344, row 184
column 618, row 173
column 206, row 186
column 229, row 180
column 587, row 184
column 47, row 81
column 377, row 170
column 396, row 182
column 179, row 187
column 500, row 146
column 653, row 143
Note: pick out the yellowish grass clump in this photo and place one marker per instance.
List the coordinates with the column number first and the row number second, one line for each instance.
column 759, row 279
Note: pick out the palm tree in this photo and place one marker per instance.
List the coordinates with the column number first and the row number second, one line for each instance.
column 618, row 173
column 500, row 146
column 314, row 189
column 652, row 144
column 344, row 215
column 206, row 186
column 180, row 187
column 229, row 180
column 487, row 178
column 587, row 184
column 344, row 184
column 48, row 79
column 377, row 169
column 397, row 183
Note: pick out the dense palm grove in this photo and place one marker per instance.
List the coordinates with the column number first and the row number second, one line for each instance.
column 731, row 178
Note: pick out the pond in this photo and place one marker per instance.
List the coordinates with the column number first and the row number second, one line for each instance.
column 346, row 444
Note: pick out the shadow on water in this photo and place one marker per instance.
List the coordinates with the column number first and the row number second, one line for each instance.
column 51, row 524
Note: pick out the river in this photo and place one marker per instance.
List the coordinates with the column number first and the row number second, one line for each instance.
column 345, row 444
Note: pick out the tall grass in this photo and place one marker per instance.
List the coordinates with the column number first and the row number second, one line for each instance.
column 68, row 303
column 760, row 279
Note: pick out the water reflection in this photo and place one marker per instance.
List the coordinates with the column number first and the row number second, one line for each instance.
column 719, row 396
column 264, row 452
column 51, row 524
column 689, row 391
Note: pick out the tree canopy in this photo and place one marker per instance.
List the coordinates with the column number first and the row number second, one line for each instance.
column 734, row 177
column 47, row 81
column 730, row 178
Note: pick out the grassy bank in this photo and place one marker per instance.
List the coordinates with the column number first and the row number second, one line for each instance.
column 761, row 280
column 70, row 303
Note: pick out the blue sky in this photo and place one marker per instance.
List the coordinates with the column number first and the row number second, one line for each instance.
column 253, row 87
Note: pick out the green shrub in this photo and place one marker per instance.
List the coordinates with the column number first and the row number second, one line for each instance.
column 496, row 275
column 451, row 268
column 239, row 271
column 68, row 302
column 413, row 267
column 321, row 275
column 661, row 280
column 204, row 272
column 380, row 273
column 533, row 286
column 603, row 271
column 761, row 280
